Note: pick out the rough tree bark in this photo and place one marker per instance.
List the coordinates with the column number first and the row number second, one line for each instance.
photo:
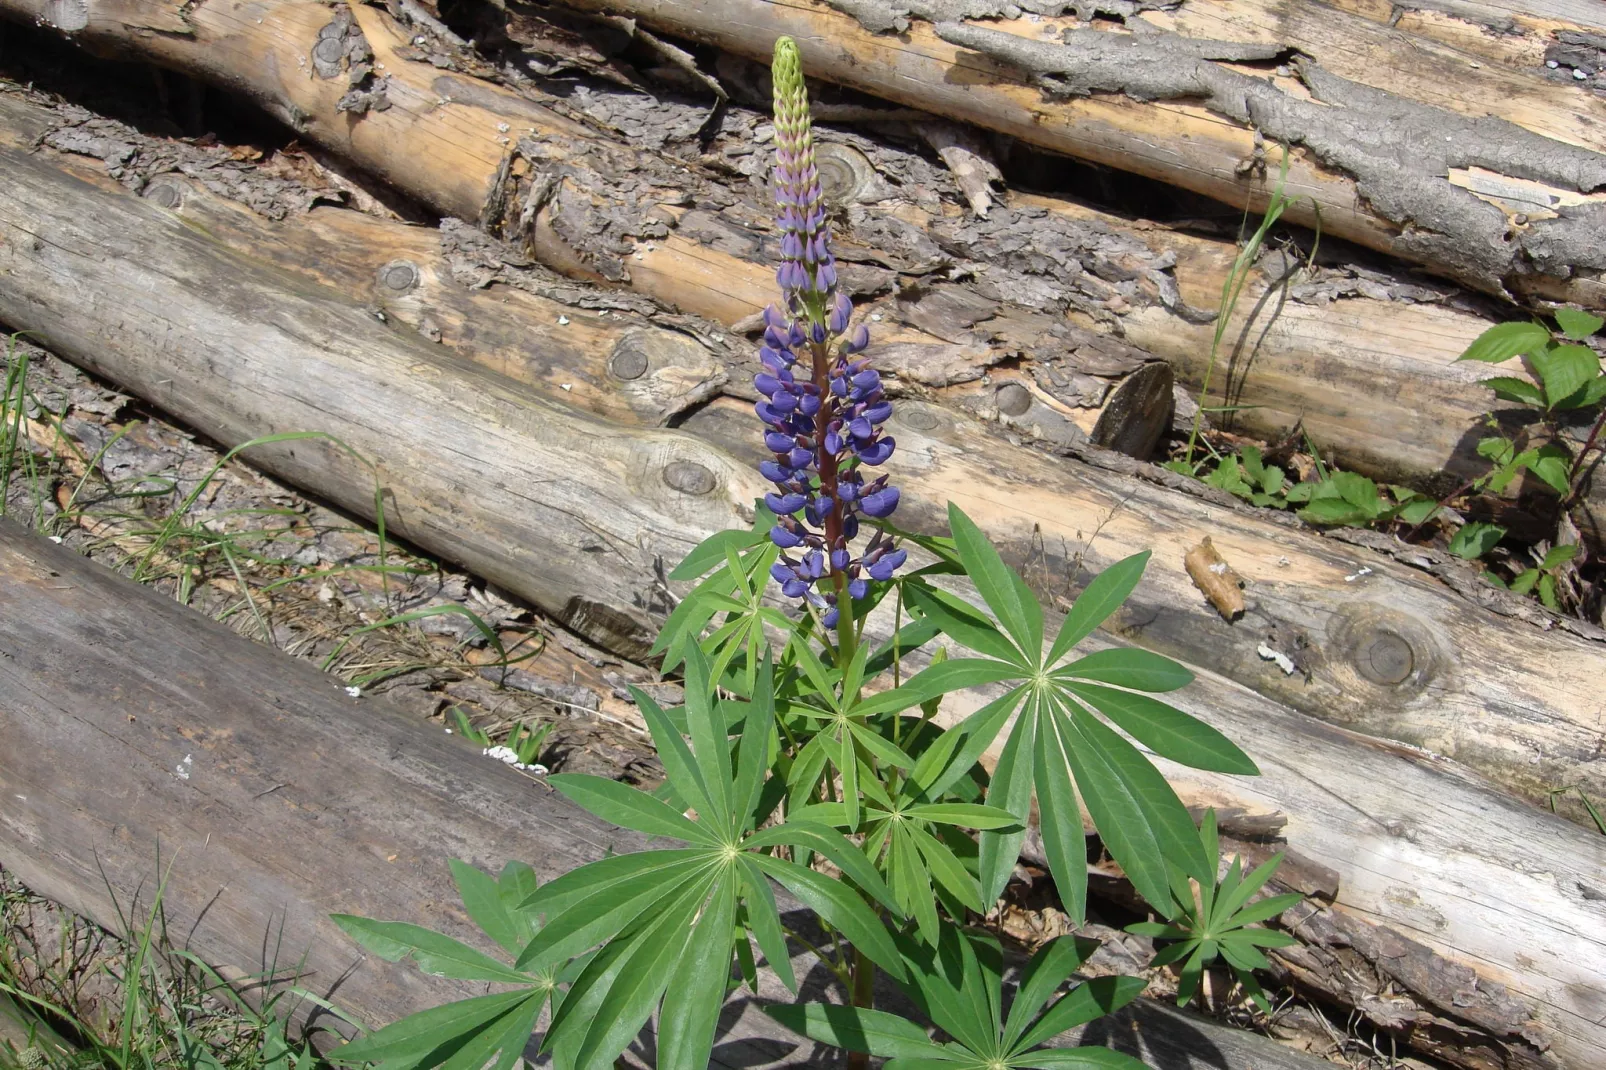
column 1425, row 167
column 1353, row 353
column 224, row 767
column 580, row 514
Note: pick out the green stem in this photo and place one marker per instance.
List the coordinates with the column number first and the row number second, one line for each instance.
column 862, row 994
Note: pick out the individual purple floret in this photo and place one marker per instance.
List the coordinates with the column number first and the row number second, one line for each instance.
column 823, row 405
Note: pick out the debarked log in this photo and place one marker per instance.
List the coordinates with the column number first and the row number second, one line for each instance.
column 152, row 747
column 580, row 515
column 1354, row 354
column 1376, row 646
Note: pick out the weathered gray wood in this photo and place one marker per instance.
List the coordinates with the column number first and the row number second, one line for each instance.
column 579, row 515
column 146, row 742
column 1310, row 597
column 1355, row 371
column 1174, row 107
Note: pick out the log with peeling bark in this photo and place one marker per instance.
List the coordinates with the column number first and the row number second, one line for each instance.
column 1489, row 175
column 1351, row 353
column 580, row 514
column 152, row 747
column 1385, row 650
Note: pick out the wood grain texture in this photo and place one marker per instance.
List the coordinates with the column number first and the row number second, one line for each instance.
column 579, row 515
column 1063, row 518
column 1536, row 722
column 1356, row 370
column 1175, row 141
column 147, row 741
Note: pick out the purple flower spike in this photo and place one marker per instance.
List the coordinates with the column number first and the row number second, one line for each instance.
column 823, row 405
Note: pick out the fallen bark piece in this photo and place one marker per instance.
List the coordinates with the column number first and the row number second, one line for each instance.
column 1216, row 579
column 217, row 767
column 1382, row 648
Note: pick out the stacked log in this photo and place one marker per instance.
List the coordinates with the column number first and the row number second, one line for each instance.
column 635, row 368
column 579, row 514
column 1352, row 355
column 156, row 748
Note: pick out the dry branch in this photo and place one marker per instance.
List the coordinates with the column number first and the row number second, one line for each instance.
column 579, row 514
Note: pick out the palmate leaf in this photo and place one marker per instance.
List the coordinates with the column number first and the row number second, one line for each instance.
column 957, row 984
column 1217, row 922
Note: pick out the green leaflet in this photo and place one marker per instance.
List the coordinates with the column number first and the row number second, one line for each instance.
column 957, row 984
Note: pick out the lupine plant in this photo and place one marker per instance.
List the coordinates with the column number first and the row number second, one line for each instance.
column 809, row 754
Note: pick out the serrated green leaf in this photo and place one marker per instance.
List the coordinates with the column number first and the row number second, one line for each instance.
column 1419, row 512
column 1506, row 340
column 1525, row 581
column 1475, row 539
column 1497, row 448
column 1553, row 466
column 1564, row 370
column 1521, row 391
column 431, row 951
column 1142, row 670
column 1557, row 556
column 1167, row 731
column 1576, row 324
column 1332, row 511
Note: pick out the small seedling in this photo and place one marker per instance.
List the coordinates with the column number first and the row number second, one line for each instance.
column 1541, row 577
column 1216, row 921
